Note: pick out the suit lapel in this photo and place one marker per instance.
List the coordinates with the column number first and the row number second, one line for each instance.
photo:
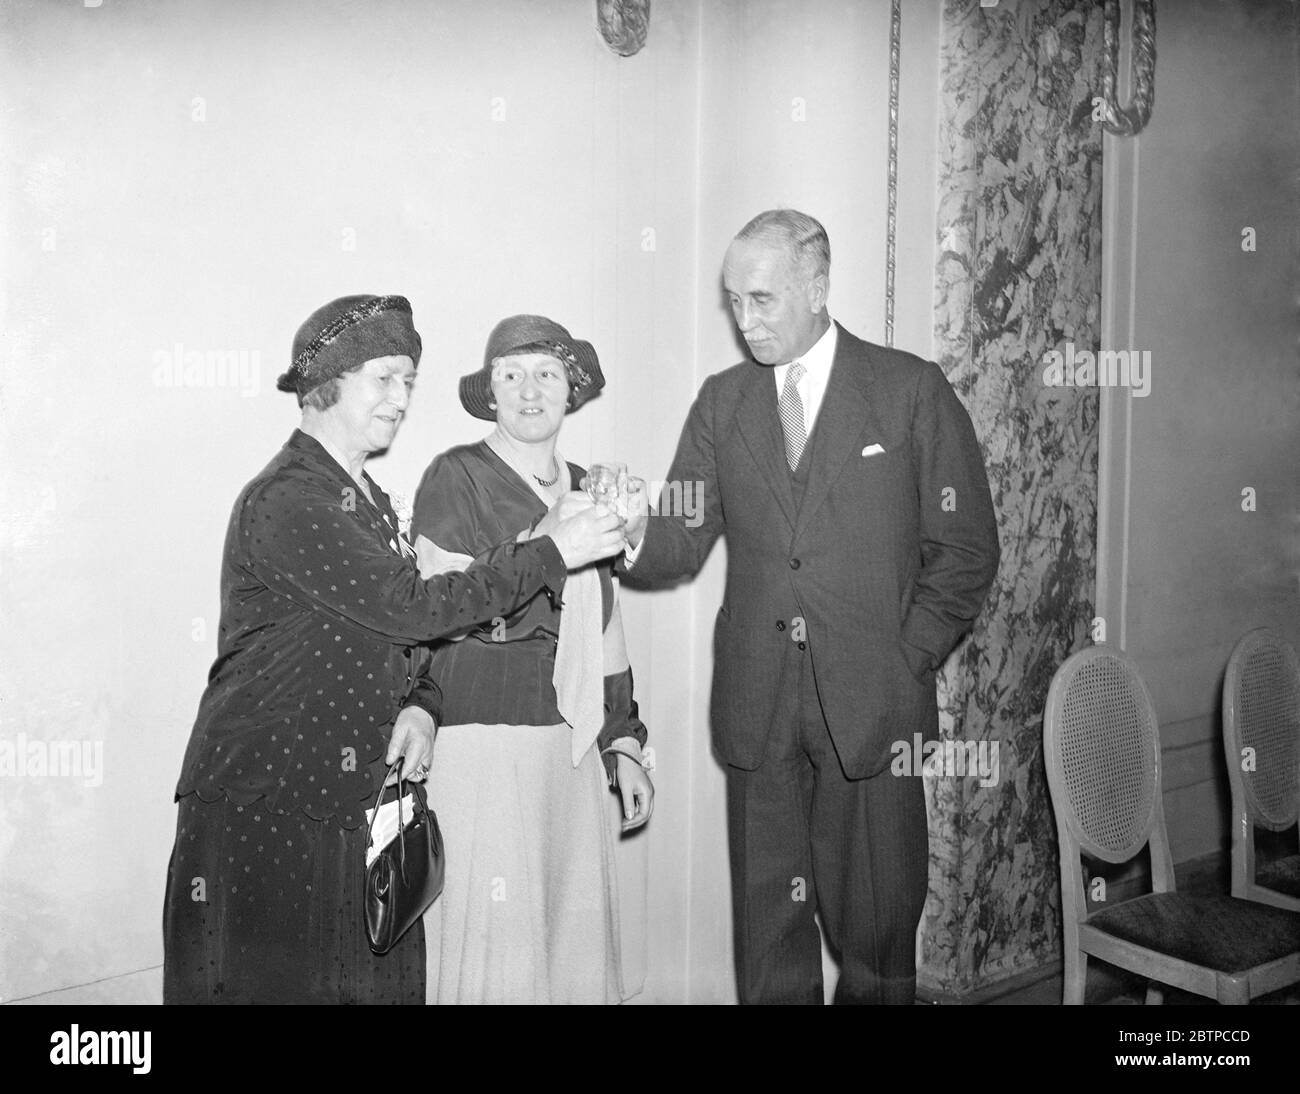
column 841, row 421
column 759, row 424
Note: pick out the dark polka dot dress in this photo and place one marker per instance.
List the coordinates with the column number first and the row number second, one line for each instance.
column 322, row 616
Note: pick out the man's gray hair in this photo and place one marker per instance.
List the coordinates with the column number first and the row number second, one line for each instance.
column 802, row 235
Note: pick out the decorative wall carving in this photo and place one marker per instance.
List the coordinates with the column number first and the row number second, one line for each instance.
column 624, row 24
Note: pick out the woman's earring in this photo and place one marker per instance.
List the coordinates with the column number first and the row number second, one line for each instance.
column 492, row 406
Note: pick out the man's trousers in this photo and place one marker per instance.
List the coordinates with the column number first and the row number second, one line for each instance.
column 804, row 839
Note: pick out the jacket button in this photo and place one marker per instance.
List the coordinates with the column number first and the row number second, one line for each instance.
column 780, row 624
column 803, row 645
column 794, row 564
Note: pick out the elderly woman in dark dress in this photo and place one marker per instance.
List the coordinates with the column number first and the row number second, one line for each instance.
column 320, row 682
column 538, row 708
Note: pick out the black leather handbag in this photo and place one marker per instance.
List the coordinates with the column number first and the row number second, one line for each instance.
column 407, row 874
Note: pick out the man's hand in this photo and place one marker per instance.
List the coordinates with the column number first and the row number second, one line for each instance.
column 412, row 739
column 633, row 491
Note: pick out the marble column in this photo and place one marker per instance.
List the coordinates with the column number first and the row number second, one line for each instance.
column 1018, row 274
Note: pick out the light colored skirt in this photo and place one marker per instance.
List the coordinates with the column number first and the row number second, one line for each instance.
column 529, row 912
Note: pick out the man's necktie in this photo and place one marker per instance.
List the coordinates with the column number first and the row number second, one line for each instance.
column 791, row 407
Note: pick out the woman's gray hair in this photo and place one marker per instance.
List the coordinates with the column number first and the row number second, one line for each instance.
column 801, row 235
column 323, row 396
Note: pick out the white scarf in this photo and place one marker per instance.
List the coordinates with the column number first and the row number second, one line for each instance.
column 579, row 676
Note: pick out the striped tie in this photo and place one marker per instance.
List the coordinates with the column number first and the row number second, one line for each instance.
column 791, row 407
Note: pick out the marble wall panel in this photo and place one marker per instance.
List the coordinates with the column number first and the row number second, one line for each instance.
column 1017, row 274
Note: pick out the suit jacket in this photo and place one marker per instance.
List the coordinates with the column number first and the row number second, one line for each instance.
column 879, row 571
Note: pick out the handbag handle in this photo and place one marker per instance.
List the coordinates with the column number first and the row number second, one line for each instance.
column 401, row 822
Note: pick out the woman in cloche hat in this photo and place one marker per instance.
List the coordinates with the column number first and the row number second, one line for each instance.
column 320, row 682
column 538, row 722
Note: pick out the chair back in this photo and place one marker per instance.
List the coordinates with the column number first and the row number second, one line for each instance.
column 1261, row 713
column 1102, row 752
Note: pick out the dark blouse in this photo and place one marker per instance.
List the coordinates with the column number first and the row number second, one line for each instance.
column 501, row 673
column 319, row 648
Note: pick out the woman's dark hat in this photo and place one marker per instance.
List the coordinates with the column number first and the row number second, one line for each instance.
column 533, row 334
column 345, row 334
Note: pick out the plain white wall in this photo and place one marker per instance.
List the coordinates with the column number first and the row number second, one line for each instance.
column 480, row 158
column 1183, row 570
column 204, row 175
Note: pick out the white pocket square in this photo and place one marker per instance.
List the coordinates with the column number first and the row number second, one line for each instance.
column 873, row 450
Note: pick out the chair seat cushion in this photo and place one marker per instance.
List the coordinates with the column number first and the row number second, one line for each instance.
column 1282, row 876
column 1216, row 932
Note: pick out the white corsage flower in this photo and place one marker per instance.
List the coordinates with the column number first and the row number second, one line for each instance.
column 402, row 507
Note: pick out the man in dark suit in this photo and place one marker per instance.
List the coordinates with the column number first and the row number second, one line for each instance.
column 861, row 543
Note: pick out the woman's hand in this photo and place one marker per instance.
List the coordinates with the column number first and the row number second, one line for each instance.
column 636, row 790
column 412, row 738
column 582, row 531
column 568, row 505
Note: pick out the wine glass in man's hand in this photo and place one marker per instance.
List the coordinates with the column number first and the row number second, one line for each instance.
column 602, row 486
column 635, row 509
column 610, row 485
